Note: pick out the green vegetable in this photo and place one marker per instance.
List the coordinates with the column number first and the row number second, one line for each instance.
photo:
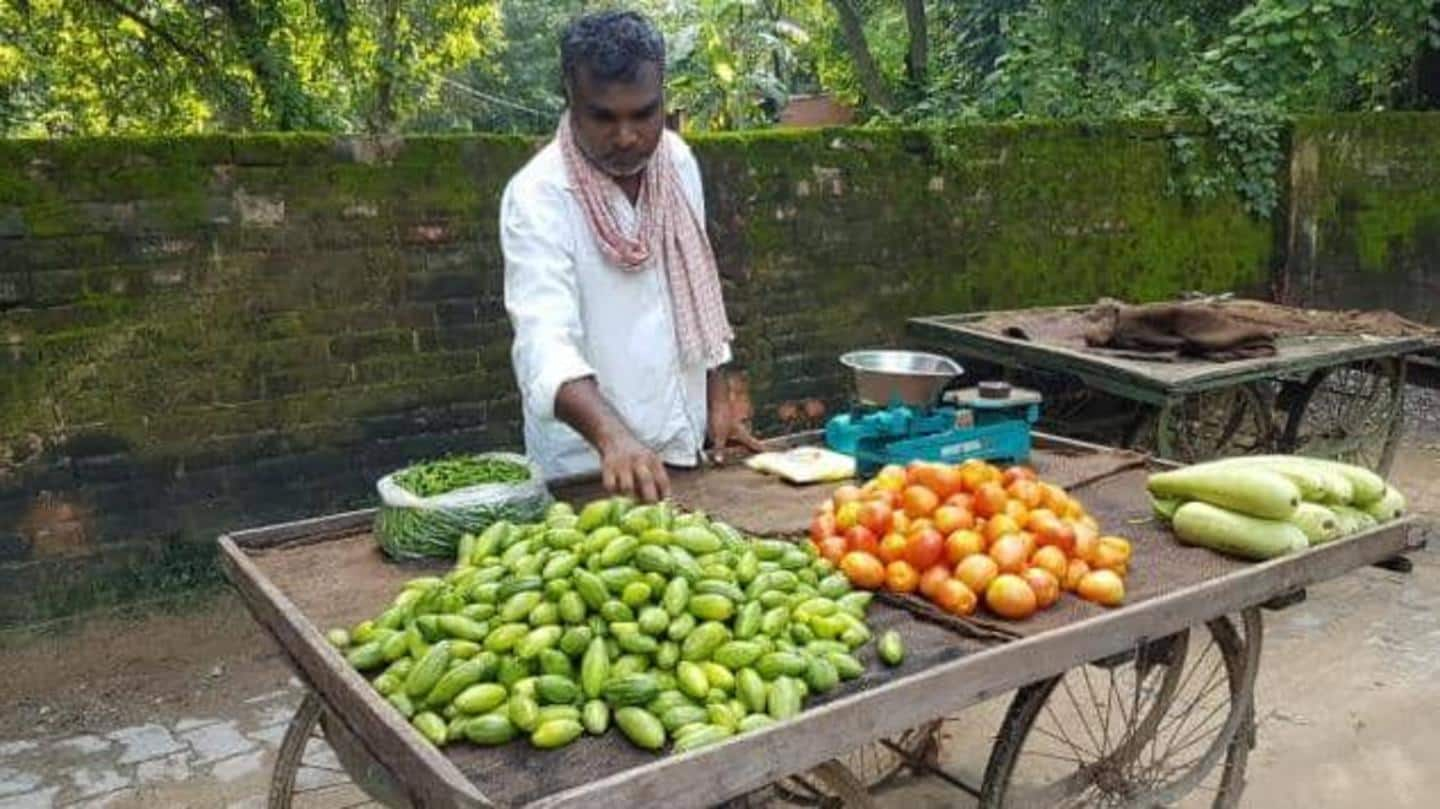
column 458, row 472
column 1251, row 491
column 1237, row 534
column 1318, row 523
column 891, row 648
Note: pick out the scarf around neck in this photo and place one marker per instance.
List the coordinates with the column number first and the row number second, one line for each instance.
column 669, row 230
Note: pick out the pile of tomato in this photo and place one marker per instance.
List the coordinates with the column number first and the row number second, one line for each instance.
column 969, row 535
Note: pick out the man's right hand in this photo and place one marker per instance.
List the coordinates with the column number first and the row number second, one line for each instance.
column 630, row 468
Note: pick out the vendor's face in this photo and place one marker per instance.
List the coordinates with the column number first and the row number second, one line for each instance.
column 618, row 124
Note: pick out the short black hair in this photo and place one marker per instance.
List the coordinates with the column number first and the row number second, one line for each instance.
column 612, row 45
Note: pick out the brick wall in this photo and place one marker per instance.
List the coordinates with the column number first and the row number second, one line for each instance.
column 201, row 334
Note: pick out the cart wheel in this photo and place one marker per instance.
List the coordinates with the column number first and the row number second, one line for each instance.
column 307, row 772
column 1145, row 730
column 1237, row 420
column 872, row 766
column 1353, row 413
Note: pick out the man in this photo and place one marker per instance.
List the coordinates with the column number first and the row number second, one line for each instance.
column 610, row 282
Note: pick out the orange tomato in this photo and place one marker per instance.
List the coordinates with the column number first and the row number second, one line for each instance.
column 1053, row 497
column 931, row 580
column 848, row 493
column 1045, row 585
column 860, row 538
column 863, row 570
column 900, row 522
column 892, row 547
column 1074, row 573
column 920, row 473
column 977, row 571
column 962, row 544
column 1074, row 510
column 1009, row 596
column 948, row 481
column 963, row 500
column 875, row 516
column 891, row 471
column 1111, row 553
column 1009, row 553
column 949, row 519
column 1015, row 473
column 1029, row 540
column 920, row 501
column 1037, row 516
column 890, row 485
column 1104, row 587
column 833, row 548
column 926, row 549
column 1026, row 491
column 1087, row 541
column 1054, row 532
column 916, row 526
column 900, row 577
column 973, row 475
column 990, row 500
column 955, row 598
column 822, row 526
column 847, row 515
column 1017, row 511
column 1051, row 558
column 1000, row 525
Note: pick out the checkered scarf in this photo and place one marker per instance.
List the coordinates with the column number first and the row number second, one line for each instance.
column 669, row 228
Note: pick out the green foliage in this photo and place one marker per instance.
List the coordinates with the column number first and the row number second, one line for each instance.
column 176, row 66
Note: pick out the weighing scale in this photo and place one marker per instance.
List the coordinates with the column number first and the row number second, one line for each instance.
column 906, row 410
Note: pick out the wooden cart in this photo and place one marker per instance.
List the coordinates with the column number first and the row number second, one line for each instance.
column 1330, row 395
column 1139, row 705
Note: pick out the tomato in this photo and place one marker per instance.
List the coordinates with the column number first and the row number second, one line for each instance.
column 849, row 493
column 973, row 475
column 948, row 481
column 1015, row 473
column 1045, row 585
column 949, row 519
column 1017, row 511
column 920, row 501
column 1026, row 491
column 1051, row 558
column 1008, row 596
column 822, row 526
column 1000, row 525
column 1087, row 542
column 916, row 526
column 863, row 570
column 990, row 500
column 900, row 522
column 926, row 549
column 860, row 538
column 847, row 515
column 931, row 580
column 892, row 547
column 1117, row 546
column 900, row 577
column 1104, row 587
column 1076, row 571
column 875, row 516
column 1054, row 532
column 962, row 544
column 954, row 597
column 1054, row 498
column 977, row 571
column 833, row 548
column 1009, row 553
column 963, row 500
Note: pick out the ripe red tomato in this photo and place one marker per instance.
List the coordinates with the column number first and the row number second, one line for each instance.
column 860, row 538
column 925, row 549
column 990, row 500
column 892, row 548
column 955, row 598
column 875, row 515
column 822, row 526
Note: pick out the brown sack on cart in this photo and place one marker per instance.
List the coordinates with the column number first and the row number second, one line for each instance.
column 1188, row 329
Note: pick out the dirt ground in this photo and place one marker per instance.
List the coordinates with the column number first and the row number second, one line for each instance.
column 183, row 704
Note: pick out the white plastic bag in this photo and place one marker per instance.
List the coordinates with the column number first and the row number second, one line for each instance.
column 411, row 527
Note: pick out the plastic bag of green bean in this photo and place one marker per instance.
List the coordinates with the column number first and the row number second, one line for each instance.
column 422, row 516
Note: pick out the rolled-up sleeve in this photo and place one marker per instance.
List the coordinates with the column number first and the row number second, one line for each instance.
column 542, row 295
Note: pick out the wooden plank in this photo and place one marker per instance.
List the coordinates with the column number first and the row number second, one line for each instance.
column 431, row 778
column 312, row 529
column 748, row 762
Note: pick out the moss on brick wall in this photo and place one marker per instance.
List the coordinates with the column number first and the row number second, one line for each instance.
column 1366, row 217
column 198, row 334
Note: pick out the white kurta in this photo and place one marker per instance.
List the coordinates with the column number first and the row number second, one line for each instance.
column 575, row 315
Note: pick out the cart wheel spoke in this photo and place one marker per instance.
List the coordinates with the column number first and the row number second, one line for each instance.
column 873, row 766
column 1166, row 717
